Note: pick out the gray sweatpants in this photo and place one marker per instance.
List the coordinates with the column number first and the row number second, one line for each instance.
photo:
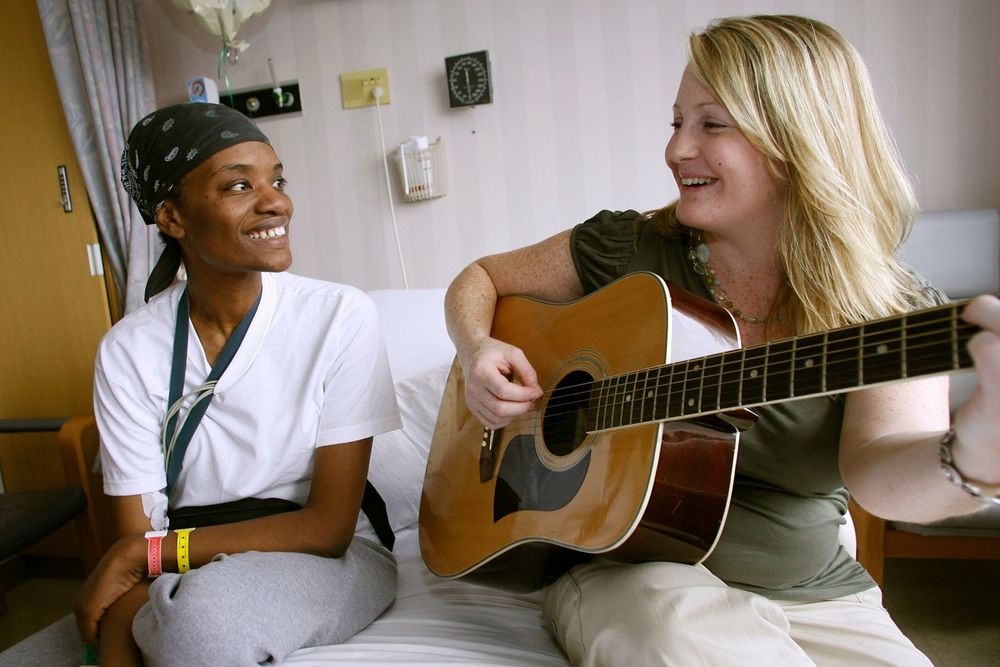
column 257, row 607
column 240, row 610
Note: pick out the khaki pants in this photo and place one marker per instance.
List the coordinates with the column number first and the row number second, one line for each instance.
column 610, row 614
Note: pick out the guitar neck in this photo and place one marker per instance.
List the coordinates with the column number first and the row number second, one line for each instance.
column 916, row 344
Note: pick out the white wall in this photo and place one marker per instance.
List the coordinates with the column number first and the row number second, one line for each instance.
column 583, row 92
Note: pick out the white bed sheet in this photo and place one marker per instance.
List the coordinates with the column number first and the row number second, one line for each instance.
column 433, row 621
column 437, row 621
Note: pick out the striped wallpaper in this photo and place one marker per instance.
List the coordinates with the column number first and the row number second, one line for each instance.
column 582, row 97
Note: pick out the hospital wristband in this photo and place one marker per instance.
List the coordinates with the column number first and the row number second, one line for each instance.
column 154, row 552
column 183, row 552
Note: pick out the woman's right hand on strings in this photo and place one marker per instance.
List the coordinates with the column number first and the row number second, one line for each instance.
column 500, row 383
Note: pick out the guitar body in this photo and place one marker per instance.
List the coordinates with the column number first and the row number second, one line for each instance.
column 520, row 505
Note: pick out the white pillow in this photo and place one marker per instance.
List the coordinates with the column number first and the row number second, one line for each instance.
column 400, row 457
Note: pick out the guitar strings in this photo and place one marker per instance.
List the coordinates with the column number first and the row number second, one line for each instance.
column 661, row 390
column 816, row 346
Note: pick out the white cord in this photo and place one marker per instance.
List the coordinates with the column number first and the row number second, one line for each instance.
column 196, row 395
column 377, row 94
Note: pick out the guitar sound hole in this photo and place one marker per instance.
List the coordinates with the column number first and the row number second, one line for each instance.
column 564, row 425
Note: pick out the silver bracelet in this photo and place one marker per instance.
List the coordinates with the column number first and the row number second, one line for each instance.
column 949, row 470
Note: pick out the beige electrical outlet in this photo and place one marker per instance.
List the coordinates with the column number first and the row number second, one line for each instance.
column 356, row 87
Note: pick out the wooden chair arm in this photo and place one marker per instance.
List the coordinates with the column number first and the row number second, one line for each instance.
column 79, row 445
column 870, row 531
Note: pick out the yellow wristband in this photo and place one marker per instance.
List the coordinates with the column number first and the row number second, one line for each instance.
column 183, row 560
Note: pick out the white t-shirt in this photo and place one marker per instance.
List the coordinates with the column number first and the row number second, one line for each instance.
column 311, row 371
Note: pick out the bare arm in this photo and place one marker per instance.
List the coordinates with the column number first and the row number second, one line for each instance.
column 891, row 437
column 499, row 381
column 324, row 526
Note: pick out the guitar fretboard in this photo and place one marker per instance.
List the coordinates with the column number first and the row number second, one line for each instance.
column 916, row 344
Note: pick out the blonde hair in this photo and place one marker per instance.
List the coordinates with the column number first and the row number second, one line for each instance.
column 801, row 95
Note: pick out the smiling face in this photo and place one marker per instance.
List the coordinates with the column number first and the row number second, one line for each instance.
column 723, row 179
column 231, row 213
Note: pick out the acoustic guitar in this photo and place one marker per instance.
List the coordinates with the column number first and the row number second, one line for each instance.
column 631, row 451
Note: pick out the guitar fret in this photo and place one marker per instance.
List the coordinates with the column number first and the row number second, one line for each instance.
column 644, row 415
column 607, row 401
column 754, row 368
column 607, row 404
column 778, row 381
column 810, row 367
column 743, row 364
column 618, row 414
column 593, row 405
column 658, row 389
column 841, row 359
column 791, row 368
column 767, row 352
column 630, row 398
column 692, row 396
column 954, row 340
column 649, row 396
column 639, row 397
column 933, row 347
column 626, row 401
column 903, row 346
column 712, row 384
column 623, row 406
column 596, row 399
column 675, row 397
column 667, row 389
column 823, row 361
column 692, row 403
column 680, row 388
column 730, row 369
column 859, row 379
column 625, row 410
column 652, row 392
column 880, row 357
column 962, row 355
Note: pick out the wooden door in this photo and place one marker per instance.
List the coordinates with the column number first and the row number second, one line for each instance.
column 53, row 311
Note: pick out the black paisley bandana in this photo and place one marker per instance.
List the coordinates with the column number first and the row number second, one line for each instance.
column 168, row 143
column 162, row 148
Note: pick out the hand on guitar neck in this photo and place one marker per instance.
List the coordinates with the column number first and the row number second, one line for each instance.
column 977, row 421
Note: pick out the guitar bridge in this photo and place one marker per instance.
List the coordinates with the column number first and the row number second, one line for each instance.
column 488, row 453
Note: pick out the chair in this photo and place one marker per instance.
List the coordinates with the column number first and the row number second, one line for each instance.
column 973, row 537
column 26, row 517
column 79, row 444
column 958, row 251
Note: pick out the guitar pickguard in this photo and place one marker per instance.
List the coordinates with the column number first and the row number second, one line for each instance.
column 525, row 483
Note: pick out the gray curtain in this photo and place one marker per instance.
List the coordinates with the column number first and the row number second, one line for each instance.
column 105, row 83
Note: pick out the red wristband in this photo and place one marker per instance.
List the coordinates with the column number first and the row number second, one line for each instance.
column 154, row 555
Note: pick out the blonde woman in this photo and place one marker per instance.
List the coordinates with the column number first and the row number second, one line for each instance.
column 792, row 203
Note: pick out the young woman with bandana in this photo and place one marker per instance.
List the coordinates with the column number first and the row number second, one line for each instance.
column 275, row 385
column 792, row 204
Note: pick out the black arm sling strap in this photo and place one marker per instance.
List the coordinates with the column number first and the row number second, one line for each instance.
column 175, row 437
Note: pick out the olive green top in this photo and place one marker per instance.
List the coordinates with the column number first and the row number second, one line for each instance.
column 781, row 538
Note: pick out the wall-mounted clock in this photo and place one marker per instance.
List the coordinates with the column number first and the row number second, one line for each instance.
column 469, row 79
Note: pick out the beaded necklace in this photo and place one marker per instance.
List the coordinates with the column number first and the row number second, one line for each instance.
column 698, row 253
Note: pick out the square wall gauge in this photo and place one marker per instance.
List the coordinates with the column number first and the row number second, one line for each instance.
column 469, row 79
